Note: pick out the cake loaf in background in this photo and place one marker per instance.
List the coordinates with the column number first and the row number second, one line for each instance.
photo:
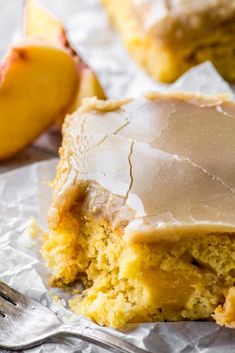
column 169, row 37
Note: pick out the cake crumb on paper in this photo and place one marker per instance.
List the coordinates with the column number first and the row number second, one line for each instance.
column 34, row 229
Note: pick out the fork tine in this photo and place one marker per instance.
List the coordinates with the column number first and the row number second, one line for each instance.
column 7, row 308
column 11, row 295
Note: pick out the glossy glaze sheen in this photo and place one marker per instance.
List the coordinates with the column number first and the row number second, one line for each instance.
column 169, row 158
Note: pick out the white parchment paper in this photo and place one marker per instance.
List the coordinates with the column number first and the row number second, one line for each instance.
column 23, row 193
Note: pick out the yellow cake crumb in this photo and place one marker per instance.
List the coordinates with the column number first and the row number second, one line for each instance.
column 34, row 229
column 191, row 275
column 224, row 315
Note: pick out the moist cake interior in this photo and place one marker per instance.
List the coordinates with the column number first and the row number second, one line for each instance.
column 132, row 283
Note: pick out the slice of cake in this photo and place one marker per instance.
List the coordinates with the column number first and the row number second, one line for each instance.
column 168, row 37
column 143, row 210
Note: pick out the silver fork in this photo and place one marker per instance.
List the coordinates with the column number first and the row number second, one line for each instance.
column 24, row 323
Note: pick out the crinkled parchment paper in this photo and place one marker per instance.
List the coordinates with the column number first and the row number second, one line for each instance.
column 24, row 193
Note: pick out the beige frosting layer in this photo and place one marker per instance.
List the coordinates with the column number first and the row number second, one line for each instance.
column 168, row 158
column 180, row 20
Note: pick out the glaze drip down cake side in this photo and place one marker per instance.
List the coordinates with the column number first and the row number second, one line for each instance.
column 143, row 210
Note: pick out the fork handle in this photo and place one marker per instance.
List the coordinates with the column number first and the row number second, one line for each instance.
column 101, row 339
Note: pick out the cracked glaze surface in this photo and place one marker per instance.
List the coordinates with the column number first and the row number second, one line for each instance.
column 170, row 158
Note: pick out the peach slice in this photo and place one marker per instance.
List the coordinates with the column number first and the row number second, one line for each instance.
column 37, row 84
column 39, row 22
column 89, row 86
